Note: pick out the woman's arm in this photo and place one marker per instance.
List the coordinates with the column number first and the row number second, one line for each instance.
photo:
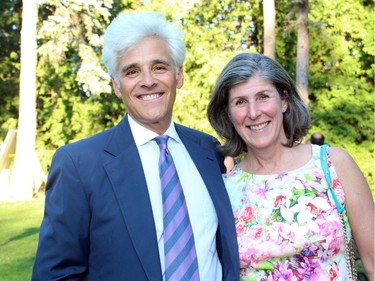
column 359, row 205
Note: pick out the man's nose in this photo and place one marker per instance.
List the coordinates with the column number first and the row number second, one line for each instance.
column 148, row 78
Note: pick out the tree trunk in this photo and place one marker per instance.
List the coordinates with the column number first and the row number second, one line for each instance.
column 303, row 48
column 269, row 37
column 22, row 179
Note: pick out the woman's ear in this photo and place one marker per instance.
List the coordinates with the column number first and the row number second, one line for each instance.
column 284, row 101
column 284, row 105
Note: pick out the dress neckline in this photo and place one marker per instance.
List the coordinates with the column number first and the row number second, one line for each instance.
column 314, row 152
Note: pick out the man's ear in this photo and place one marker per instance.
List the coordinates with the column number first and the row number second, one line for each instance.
column 180, row 78
column 116, row 88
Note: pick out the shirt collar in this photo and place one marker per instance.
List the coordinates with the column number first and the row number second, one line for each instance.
column 143, row 135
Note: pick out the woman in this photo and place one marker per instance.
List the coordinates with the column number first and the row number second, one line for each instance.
column 288, row 227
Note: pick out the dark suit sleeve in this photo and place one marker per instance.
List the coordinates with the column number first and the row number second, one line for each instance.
column 220, row 157
column 63, row 239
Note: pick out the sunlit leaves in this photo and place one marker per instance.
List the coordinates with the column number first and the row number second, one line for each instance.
column 75, row 97
column 77, row 25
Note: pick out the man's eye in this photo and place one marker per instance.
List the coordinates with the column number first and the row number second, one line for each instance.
column 160, row 68
column 131, row 73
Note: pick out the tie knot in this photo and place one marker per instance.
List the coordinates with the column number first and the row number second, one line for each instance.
column 162, row 141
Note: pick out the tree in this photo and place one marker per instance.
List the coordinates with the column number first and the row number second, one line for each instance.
column 302, row 67
column 10, row 18
column 22, row 179
column 75, row 98
column 269, row 34
column 342, row 77
column 74, row 92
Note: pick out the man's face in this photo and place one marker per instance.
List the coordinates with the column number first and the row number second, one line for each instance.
column 148, row 83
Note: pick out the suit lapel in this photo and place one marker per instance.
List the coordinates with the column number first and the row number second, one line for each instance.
column 129, row 184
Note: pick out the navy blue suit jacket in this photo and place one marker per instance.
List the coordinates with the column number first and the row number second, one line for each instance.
column 98, row 223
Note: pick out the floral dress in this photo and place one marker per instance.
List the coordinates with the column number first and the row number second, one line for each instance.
column 288, row 227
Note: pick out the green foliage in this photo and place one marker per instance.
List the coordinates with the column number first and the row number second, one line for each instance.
column 286, row 35
column 68, row 114
column 73, row 32
column 10, row 15
column 75, row 98
column 341, row 78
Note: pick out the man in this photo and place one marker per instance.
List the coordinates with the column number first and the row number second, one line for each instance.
column 104, row 209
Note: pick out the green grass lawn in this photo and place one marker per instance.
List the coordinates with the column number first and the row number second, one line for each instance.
column 19, row 227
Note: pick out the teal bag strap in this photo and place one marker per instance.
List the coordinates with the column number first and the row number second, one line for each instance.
column 327, row 174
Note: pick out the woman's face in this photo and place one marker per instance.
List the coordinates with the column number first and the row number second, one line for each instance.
column 256, row 111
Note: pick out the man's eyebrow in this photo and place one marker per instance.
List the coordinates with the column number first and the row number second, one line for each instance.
column 165, row 62
column 134, row 65
column 127, row 67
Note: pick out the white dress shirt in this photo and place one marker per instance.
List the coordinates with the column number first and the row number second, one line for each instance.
column 201, row 210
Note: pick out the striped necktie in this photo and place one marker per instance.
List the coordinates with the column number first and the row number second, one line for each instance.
column 179, row 250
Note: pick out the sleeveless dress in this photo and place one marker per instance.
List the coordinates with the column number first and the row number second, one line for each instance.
column 287, row 224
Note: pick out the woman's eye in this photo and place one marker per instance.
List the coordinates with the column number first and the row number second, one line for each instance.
column 262, row 98
column 239, row 102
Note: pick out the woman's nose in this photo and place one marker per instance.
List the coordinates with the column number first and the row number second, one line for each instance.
column 253, row 110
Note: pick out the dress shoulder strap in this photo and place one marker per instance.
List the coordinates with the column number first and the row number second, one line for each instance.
column 324, row 161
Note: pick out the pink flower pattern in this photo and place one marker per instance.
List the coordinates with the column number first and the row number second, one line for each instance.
column 287, row 225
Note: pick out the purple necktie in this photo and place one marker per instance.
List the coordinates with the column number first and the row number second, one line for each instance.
column 179, row 250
